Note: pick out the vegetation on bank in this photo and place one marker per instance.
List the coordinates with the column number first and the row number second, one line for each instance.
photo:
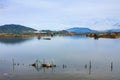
column 94, row 35
column 104, row 35
column 24, row 35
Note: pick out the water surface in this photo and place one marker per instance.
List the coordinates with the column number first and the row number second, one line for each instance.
column 84, row 58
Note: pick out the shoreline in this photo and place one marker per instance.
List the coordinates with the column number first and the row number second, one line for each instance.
column 91, row 35
column 104, row 35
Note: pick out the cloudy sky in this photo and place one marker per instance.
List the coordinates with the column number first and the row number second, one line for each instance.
column 61, row 14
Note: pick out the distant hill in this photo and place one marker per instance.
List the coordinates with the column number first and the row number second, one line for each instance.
column 87, row 30
column 113, row 30
column 81, row 30
column 16, row 29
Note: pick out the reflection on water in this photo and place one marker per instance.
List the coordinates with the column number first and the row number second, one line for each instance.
column 75, row 57
column 13, row 40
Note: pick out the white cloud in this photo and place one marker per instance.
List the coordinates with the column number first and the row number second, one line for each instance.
column 54, row 14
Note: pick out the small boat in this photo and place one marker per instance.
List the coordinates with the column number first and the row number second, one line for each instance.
column 47, row 38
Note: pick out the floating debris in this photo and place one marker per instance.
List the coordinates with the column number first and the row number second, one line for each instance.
column 38, row 65
column 48, row 65
column 44, row 64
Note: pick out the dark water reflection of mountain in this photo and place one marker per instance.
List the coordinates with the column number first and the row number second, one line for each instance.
column 15, row 40
column 18, row 40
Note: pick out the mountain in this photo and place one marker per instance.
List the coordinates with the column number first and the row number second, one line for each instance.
column 16, row 29
column 87, row 30
column 81, row 30
column 113, row 30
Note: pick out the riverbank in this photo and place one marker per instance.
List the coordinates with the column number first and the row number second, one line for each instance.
column 95, row 35
column 104, row 35
column 24, row 35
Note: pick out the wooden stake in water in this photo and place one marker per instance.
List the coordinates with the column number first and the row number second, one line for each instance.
column 90, row 66
column 13, row 64
column 111, row 66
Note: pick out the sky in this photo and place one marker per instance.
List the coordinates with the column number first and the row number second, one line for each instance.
column 61, row 14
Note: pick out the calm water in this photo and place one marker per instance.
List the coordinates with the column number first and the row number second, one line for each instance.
column 84, row 58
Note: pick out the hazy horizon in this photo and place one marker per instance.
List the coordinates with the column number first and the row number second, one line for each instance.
column 62, row 14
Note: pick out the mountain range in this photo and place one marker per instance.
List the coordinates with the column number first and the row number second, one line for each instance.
column 18, row 29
